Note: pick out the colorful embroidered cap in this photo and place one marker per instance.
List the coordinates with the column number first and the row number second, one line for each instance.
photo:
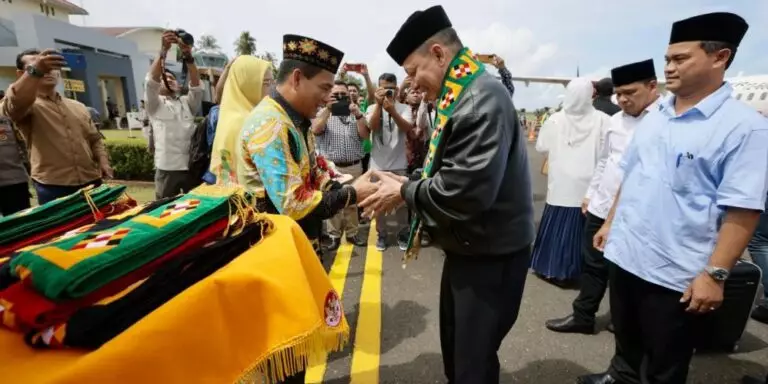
column 724, row 27
column 312, row 51
column 419, row 27
column 630, row 73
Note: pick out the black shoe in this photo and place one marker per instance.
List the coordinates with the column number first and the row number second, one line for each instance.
column 760, row 313
column 334, row 244
column 569, row 324
column 753, row 380
column 356, row 240
column 609, row 328
column 600, row 378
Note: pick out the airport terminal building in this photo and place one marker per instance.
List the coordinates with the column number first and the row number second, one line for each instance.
column 99, row 65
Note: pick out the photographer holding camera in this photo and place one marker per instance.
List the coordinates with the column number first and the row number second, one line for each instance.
column 172, row 117
column 389, row 122
column 340, row 128
column 66, row 151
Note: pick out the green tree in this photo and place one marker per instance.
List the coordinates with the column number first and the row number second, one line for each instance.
column 245, row 44
column 355, row 80
column 269, row 56
column 208, row 42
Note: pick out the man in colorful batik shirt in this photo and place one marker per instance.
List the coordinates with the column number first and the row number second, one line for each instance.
column 277, row 158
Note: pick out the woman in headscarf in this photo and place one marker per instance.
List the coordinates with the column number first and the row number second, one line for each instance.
column 248, row 81
column 572, row 140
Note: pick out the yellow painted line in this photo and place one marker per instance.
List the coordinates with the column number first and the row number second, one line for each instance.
column 367, row 348
column 338, row 276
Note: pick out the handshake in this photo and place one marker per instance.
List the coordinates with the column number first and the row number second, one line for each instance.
column 378, row 191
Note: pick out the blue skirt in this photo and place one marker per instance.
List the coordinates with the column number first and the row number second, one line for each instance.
column 557, row 249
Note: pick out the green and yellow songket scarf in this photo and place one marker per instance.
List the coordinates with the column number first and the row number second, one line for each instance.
column 464, row 69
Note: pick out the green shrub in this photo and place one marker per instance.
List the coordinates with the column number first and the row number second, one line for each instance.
column 131, row 160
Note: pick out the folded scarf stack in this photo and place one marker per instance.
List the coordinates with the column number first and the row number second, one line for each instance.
column 43, row 217
column 76, row 266
column 90, row 327
column 23, row 309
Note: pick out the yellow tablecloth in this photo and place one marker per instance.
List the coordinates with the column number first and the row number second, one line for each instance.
column 272, row 305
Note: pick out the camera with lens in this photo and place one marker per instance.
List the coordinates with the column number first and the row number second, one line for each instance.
column 390, row 93
column 185, row 37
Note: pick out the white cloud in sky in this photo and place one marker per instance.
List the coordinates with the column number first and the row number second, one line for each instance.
column 541, row 38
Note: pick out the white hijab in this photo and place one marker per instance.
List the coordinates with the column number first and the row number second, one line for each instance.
column 582, row 118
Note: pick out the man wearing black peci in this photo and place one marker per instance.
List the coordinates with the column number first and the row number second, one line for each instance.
column 278, row 158
column 694, row 185
column 473, row 196
column 637, row 94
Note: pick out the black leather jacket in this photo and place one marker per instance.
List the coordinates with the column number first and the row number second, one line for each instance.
column 479, row 202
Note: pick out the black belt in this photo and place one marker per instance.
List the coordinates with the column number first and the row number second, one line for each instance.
column 344, row 165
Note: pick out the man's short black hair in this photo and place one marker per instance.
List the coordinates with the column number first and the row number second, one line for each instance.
column 711, row 47
column 288, row 65
column 28, row 52
column 388, row 77
column 340, row 82
column 351, row 84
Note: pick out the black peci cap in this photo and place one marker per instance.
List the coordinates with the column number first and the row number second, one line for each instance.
column 724, row 27
column 630, row 73
column 419, row 27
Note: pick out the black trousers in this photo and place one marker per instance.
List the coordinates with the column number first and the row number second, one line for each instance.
column 15, row 198
column 652, row 331
column 479, row 301
column 366, row 162
column 594, row 274
column 296, row 379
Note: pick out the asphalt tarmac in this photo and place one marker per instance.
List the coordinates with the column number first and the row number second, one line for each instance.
column 393, row 315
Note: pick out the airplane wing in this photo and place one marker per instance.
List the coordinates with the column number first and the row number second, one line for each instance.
column 543, row 80
column 563, row 81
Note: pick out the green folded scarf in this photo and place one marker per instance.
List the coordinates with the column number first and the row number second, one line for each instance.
column 57, row 212
column 76, row 266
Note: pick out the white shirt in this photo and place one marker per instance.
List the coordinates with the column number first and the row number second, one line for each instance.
column 173, row 123
column 388, row 142
column 570, row 166
column 608, row 174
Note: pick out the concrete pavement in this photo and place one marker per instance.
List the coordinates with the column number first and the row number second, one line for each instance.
column 393, row 314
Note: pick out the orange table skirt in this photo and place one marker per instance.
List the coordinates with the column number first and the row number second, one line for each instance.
column 272, row 306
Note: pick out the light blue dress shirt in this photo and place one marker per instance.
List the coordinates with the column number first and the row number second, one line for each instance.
column 680, row 174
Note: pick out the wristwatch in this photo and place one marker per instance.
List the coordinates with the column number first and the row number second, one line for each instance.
column 33, row 71
column 719, row 274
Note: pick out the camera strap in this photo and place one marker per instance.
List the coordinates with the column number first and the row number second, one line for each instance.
column 182, row 81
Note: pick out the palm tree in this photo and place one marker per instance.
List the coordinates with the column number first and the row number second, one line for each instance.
column 245, row 44
column 208, row 42
column 269, row 56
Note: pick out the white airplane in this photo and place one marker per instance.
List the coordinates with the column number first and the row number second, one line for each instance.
column 752, row 90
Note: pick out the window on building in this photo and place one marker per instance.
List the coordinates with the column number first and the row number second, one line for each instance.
column 764, row 95
column 738, row 97
column 751, row 96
